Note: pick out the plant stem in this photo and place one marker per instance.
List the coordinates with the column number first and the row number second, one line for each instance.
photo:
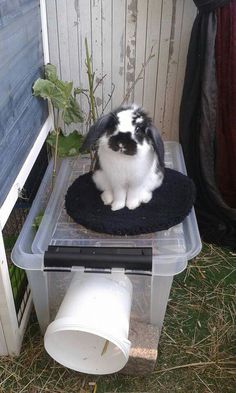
column 90, row 80
column 109, row 99
column 199, row 364
column 144, row 65
column 57, row 131
column 54, row 172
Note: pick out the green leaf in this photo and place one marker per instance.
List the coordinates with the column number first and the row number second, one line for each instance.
column 48, row 90
column 43, row 88
column 60, row 94
column 37, row 220
column 65, row 87
column 51, row 75
column 9, row 241
column 51, row 72
column 78, row 91
column 68, row 146
column 72, row 112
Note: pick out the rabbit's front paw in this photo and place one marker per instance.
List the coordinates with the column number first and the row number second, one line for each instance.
column 146, row 197
column 117, row 205
column 107, row 197
column 133, row 203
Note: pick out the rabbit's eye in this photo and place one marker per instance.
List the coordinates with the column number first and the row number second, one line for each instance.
column 139, row 131
column 140, row 134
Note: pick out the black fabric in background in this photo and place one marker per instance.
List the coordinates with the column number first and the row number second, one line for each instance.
column 217, row 222
column 205, row 6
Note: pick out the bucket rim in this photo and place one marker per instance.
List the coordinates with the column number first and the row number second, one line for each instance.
column 123, row 345
column 68, row 324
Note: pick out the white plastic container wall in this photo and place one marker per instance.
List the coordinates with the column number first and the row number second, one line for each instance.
column 171, row 249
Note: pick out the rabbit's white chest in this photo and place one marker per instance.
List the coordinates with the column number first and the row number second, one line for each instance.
column 123, row 170
column 131, row 157
column 127, row 180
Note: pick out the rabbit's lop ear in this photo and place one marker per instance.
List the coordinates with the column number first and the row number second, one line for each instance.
column 157, row 143
column 97, row 130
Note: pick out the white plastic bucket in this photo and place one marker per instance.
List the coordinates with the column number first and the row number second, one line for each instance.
column 90, row 331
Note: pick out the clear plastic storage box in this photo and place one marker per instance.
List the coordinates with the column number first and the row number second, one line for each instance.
column 53, row 254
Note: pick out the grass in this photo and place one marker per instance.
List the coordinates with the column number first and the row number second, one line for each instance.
column 17, row 275
column 196, row 352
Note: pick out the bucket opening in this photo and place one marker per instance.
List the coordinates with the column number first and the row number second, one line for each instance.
column 87, row 352
column 94, row 310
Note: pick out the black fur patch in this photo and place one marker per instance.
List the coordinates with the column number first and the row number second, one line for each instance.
column 97, row 165
column 112, row 123
column 140, row 126
column 123, row 143
column 106, row 124
column 146, row 121
column 140, row 134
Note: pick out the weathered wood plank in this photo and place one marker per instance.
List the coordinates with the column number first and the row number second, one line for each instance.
column 73, row 54
column 53, row 34
column 189, row 13
column 152, row 41
column 63, row 39
column 107, row 52
column 96, row 11
column 163, row 59
column 130, row 51
column 73, row 44
column 118, row 51
column 142, row 9
column 84, row 25
column 174, row 50
column 21, row 115
column 121, row 34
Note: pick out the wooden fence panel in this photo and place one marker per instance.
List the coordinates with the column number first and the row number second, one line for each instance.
column 121, row 35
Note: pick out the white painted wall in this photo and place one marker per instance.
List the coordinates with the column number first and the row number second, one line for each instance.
column 121, row 34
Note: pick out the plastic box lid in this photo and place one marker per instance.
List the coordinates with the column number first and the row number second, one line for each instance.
column 171, row 249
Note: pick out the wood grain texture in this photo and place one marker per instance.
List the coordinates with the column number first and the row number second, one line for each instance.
column 106, row 52
column 121, row 34
column 21, row 61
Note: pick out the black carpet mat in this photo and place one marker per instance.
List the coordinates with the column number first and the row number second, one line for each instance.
column 170, row 204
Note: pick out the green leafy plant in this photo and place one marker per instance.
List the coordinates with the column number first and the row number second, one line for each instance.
column 68, row 146
column 62, row 98
column 37, row 221
column 93, row 113
column 91, row 75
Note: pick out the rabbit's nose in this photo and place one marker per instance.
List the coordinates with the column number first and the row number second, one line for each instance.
column 121, row 147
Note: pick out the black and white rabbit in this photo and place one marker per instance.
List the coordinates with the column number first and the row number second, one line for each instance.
column 130, row 157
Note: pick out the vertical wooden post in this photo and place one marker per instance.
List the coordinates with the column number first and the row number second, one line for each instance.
column 8, row 318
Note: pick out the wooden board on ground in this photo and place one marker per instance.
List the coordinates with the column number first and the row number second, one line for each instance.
column 143, row 353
